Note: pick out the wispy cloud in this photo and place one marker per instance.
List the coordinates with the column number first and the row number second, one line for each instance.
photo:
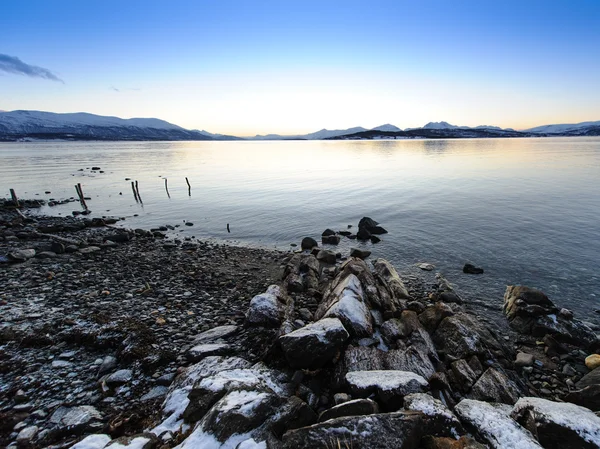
column 12, row 64
column 123, row 89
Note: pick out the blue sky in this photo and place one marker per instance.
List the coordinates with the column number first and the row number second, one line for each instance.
column 247, row 67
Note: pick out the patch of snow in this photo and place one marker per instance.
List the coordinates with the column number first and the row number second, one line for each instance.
column 240, row 378
column 251, row 444
column 428, row 405
column 383, row 380
column 98, row 441
column 579, row 419
column 244, row 402
column 136, row 443
column 556, row 129
column 320, row 329
column 199, row 439
column 493, row 423
column 439, row 125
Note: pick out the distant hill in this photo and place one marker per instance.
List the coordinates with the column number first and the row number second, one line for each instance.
column 31, row 125
column 17, row 125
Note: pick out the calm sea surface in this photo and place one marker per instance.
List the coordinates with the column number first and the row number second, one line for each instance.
column 526, row 210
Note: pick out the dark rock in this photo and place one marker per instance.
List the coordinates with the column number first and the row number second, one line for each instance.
column 363, row 234
column 74, row 420
column 57, row 248
column 367, row 222
column 295, row 413
column 591, row 378
column 328, row 232
column 450, row 297
column 108, row 363
column 432, row 316
column 558, row 425
column 308, row 243
column 330, row 239
column 120, row 377
column 472, row 269
column 326, row 256
column 463, row 373
column 119, row 237
column 377, row 230
column 389, row 386
column 588, row 397
column 315, row 344
column 495, row 386
column 439, row 420
column 360, row 253
column 401, row 430
column 344, row 233
column 355, row 407
column 389, row 274
column 374, row 239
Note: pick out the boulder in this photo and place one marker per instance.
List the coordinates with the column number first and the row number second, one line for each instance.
column 464, row 375
column 269, row 309
column 493, row 424
column 239, row 411
column 388, row 273
column 74, row 420
column 472, row 269
column 363, row 234
column 330, row 239
column 315, row 344
column 360, row 253
column 432, row 316
column 120, row 377
column 302, row 273
column 558, row 425
column 295, row 413
column 400, row 430
column 495, row 386
column 439, row 420
column 308, row 243
column 591, row 378
column 389, row 386
column 328, row 232
column 367, row 222
column 588, row 397
column 21, row 255
column 326, row 256
column 354, row 407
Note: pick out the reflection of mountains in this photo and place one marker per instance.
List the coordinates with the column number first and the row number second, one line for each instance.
column 437, row 147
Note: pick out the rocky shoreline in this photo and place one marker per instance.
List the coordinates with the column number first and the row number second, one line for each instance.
column 124, row 338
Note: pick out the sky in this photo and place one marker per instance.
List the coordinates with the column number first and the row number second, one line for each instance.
column 256, row 67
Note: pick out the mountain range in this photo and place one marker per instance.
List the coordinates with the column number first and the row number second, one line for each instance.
column 31, row 125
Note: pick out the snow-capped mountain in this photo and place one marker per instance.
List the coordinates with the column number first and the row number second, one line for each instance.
column 439, row 125
column 387, row 127
column 318, row 135
column 563, row 128
column 81, row 125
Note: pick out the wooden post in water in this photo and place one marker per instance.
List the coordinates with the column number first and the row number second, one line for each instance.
column 138, row 192
column 80, row 194
column 167, row 188
column 134, row 192
column 14, row 198
column 228, row 228
column 189, row 187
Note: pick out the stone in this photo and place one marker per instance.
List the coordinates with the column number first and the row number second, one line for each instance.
column 524, row 359
column 340, row 398
column 347, row 303
column 308, row 243
column 472, row 269
column 592, row 361
column 389, row 386
column 157, row 392
column 216, row 333
column 426, row 266
column 120, row 377
column 89, row 250
column 108, row 363
column 374, row 239
column 558, row 424
column 27, row 434
column 203, row 350
column 389, row 274
column 360, row 253
column 493, row 385
column 439, row 420
column 315, row 344
column 239, row 411
column 493, row 424
column 326, row 256
column 57, row 248
column 432, row 316
column 379, row 431
column 330, row 239
column 363, row 234
column 74, row 419
column 367, row 222
column 269, row 309
column 328, row 232
column 588, row 397
column 21, row 255
column 463, row 373
column 591, row 378
column 354, row 407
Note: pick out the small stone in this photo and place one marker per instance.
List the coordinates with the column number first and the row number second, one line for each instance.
column 308, row 243
column 524, row 359
column 360, row 253
column 426, row 266
column 340, row 398
column 27, row 434
column 119, row 377
column 592, row 361
column 472, row 269
column 156, row 392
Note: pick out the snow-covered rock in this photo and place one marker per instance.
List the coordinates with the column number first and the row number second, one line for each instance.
column 355, row 407
column 198, row 352
column 492, row 422
column 269, row 309
column 558, row 424
column 96, row 441
column 313, row 345
column 378, row 431
column 141, row 441
column 348, row 304
column 440, row 420
column 216, row 333
column 389, row 386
